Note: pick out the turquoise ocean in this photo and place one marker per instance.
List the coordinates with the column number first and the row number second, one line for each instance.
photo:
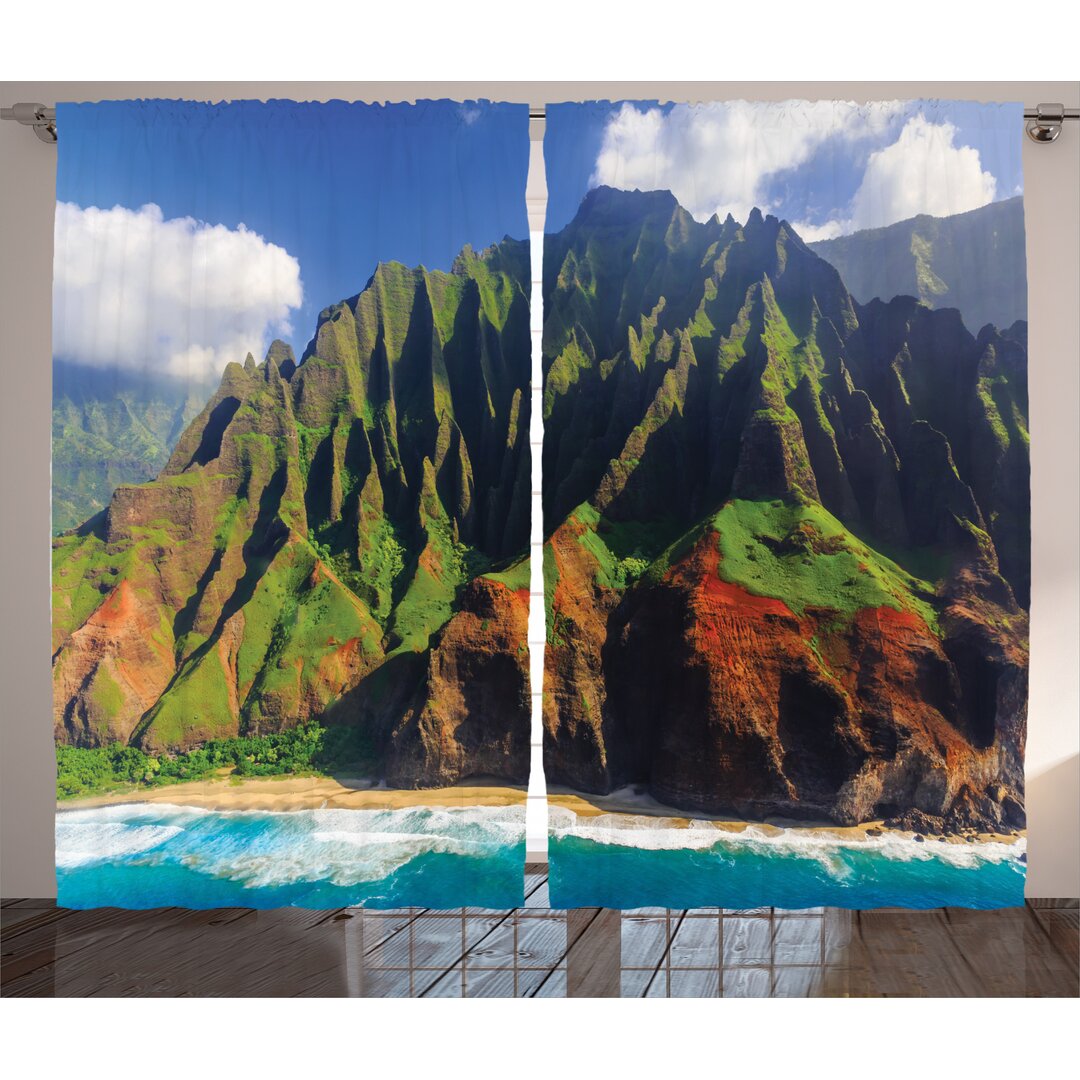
column 633, row 861
column 155, row 855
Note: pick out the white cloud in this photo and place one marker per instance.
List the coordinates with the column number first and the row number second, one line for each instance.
column 812, row 233
column 923, row 172
column 179, row 296
column 718, row 157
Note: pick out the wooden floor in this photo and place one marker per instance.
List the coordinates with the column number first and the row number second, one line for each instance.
column 534, row 951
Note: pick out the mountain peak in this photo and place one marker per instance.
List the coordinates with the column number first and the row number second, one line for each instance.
column 731, row 442
column 620, row 204
column 280, row 357
column 323, row 525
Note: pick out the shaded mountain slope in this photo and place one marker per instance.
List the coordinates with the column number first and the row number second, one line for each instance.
column 787, row 533
column 341, row 538
column 972, row 261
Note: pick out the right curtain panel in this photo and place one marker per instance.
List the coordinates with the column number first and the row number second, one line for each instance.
column 786, row 504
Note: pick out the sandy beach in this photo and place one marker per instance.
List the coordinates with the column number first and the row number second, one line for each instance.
column 326, row 792
column 302, row 793
column 639, row 805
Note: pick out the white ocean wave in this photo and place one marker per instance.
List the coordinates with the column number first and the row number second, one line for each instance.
column 259, row 848
column 340, row 863
column 652, row 833
column 81, row 842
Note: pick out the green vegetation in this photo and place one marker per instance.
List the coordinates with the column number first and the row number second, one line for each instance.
column 309, row 440
column 310, row 524
column 622, row 551
column 930, row 285
column 309, row 749
column 1004, row 418
column 515, row 577
column 563, row 372
column 442, row 568
column 104, row 694
column 84, row 570
column 798, row 552
column 198, row 701
column 383, row 561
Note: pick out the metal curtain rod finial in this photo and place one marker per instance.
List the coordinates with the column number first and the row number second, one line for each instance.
column 1043, row 123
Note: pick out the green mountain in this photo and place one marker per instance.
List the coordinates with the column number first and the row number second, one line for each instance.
column 345, row 538
column 112, row 428
column 972, row 261
column 787, row 533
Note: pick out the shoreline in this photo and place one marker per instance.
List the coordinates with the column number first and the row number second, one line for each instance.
column 303, row 793
column 622, row 804
column 289, row 793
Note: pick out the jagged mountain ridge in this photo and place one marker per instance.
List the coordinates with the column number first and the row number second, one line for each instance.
column 725, row 426
column 340, row 538
column 973, row 261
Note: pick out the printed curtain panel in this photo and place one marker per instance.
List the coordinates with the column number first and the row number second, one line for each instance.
column 291, row 504
column 786, row 504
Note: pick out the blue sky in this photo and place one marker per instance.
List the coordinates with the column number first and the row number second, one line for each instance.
column 830, row 167
column 188, row 233
column 338, row 186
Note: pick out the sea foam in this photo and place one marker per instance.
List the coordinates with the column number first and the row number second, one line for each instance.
column 650, row 833
column 262, row 849
column 83, row 842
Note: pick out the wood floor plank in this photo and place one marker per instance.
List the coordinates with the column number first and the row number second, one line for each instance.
column 643, row 941
column 747, row 941
column 696, row 943
column 594, row 952
column 992, row 947
column 690, row 984
column 1050, row 953
column 541, row 942
column 16, row 919
column 906, row 954
column 552, row 985
column 1062, row 926
column 191, row 954
column 533, row 951
column 30, row 948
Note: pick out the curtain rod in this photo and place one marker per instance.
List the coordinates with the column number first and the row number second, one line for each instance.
column 1043, row 123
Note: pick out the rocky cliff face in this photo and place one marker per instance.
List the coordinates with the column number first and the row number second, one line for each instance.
column 342, row 538
column 787, row 555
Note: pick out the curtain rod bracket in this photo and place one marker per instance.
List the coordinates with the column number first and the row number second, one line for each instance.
column 35, row 115
column 1045, row 125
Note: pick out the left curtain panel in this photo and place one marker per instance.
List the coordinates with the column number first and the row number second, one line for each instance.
column 291, row 504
